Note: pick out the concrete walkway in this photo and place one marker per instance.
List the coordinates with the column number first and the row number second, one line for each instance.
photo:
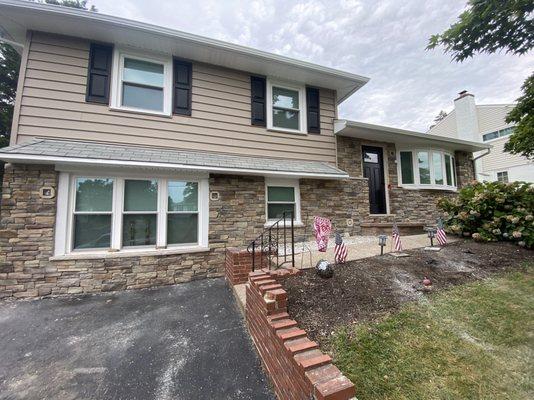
column 177, row 342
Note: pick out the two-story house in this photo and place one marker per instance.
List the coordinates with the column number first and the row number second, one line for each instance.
column 486, row 123
column 140, row 153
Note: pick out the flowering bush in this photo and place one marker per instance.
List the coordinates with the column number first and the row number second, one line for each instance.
column 492, row 211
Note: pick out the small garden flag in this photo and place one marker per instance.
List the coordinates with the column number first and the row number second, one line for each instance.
column 395, row 235
column 340, row 250
column 322, row 228
column 440, row 234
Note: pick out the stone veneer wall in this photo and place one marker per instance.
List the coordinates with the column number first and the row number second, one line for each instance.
column 27, row 234
column 407, row 206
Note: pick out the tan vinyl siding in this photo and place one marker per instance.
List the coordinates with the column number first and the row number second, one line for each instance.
column 53, row 105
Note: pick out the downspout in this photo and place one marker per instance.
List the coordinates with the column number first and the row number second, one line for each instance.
column 488, row 150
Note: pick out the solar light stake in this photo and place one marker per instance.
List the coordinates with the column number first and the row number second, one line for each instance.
column 382, row 243
column 431, row 234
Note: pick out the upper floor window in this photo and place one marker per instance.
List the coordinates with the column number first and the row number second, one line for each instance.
column 432, row 169
column 141, row 83
column 286, row 105
column 497, row 134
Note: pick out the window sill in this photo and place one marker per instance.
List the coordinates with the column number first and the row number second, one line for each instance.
column 429, row 187
column 141, row 112
column 129, row 253
column 296, row 224
column 281, row 130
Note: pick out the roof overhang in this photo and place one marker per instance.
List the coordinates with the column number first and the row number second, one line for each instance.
column 75, row 154
column 402, row 137
column 17, row 17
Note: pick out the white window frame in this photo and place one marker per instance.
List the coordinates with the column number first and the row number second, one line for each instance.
column 301, row 89
column 289, row 183
column 502, row 172
column 415, row 166
column 64, row 235
column 117, row 80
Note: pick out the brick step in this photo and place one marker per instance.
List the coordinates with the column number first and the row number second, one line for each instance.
column 284, row 323
column 278, row 316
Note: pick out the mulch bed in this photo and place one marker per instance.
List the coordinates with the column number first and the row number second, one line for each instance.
column 367, row 289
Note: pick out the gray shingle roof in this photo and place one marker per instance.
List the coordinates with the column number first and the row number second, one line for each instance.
column 53, row 150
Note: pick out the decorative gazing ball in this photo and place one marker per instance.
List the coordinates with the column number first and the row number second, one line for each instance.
column 324, row 269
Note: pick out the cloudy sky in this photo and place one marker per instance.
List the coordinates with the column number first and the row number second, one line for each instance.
column 384, row 40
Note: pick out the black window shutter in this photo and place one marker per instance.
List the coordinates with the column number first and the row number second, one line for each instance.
column 99, row 73
column 312, row 112
column 183, row 82
column 257, row 100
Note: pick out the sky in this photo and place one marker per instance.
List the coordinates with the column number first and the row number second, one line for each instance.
column 383, row 40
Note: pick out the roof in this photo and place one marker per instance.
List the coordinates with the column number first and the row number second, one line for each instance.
column 16, row 17
column 380, row 133
column 67, row 152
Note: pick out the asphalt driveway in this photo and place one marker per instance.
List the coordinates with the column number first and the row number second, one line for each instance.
column 178, row 342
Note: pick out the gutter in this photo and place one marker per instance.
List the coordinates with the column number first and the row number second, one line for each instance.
column 482, row 155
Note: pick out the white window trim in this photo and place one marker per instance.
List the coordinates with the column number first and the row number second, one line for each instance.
column 293, row 183
column 116, row 80
column 303, row 128
column 417, row 185
column 65, row 221
column 502, row 172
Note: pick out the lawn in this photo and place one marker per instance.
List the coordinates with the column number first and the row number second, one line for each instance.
column 474, row 341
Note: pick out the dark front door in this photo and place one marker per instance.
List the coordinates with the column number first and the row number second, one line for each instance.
column 373, row 168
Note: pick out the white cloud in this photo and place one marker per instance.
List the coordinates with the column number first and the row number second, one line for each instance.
column 384, row 40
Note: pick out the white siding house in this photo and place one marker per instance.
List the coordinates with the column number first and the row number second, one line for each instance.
column 486, row 123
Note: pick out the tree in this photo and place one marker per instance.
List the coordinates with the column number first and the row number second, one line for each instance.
column 9, row 73
column 488, row 26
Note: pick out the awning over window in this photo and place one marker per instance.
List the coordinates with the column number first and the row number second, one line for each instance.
column 67, row 152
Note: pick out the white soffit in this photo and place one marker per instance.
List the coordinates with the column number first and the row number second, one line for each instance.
column 402, row 137
column 18, row 16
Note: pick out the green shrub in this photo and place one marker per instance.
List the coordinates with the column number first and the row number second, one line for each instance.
column 492, row 211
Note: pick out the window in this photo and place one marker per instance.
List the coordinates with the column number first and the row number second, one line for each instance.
column 370, row 157
column 142, row 84
column 92, row 213
column 282, row 196
column 432, row 169
column 424, row 167
column 131, row 213
column 498, row 134
column 406, row 159
column 182, row 212
column 286, row 108
column 502, row 176
column 139, row 221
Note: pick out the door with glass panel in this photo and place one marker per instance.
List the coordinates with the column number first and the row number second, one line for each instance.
column 373, row 170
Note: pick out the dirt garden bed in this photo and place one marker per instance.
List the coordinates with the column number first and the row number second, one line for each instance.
column 367, row 289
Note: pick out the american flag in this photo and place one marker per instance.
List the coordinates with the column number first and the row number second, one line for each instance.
column 440, row 233
column 395, row 235
column 340, row 250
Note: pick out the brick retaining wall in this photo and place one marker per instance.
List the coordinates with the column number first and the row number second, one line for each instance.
column 296, row 367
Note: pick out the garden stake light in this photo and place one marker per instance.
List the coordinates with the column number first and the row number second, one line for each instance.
column 431, row 234
column 382, row 243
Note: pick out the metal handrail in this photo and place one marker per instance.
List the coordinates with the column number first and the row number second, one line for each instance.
column 273, row 244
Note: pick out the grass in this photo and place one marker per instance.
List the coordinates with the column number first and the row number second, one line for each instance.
column 475, row 341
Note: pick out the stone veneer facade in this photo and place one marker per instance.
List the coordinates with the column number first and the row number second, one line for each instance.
column 27, row 227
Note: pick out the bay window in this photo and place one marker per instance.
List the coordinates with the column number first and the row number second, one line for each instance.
column 286, row 107
column 431, row 169
column 111, row 213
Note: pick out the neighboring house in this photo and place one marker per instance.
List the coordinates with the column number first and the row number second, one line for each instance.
column 486, row 123
column 140, row 153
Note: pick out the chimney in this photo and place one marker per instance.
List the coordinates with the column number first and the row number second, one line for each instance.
column 466, row 117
